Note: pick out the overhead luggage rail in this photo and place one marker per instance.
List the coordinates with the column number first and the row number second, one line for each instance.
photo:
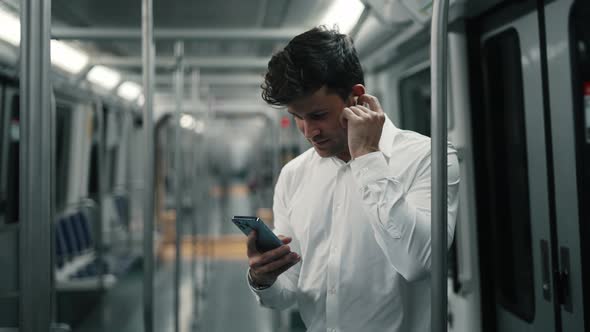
column 201, row 62
column 272, row 34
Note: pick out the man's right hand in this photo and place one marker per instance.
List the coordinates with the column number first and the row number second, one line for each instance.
column 266, row 267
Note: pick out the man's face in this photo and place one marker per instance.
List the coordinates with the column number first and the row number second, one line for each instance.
column 318, row 117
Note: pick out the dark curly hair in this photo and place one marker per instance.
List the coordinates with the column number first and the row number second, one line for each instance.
column 316, row 58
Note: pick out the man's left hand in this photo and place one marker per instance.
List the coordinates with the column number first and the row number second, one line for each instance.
column 365, row 123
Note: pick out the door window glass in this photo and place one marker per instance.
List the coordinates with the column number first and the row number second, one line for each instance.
column 505, row 176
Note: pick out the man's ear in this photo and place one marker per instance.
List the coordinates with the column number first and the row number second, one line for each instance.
column 357, row 91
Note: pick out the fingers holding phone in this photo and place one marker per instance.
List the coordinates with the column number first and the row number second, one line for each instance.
column 266, row 267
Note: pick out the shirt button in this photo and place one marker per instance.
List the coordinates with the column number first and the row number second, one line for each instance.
column 332, row 290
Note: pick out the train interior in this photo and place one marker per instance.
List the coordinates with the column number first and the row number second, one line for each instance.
column 518, row 100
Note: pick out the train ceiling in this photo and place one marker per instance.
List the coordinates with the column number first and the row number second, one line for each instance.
column 235, row 38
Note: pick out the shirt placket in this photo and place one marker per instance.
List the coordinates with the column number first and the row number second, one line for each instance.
column 333, row 287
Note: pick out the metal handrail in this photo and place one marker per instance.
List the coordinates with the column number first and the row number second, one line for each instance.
column 148, row 57
column 438, row 55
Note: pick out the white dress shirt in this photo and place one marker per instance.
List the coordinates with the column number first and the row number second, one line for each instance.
column 362, row 229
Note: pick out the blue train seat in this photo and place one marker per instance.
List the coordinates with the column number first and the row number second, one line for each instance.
column 73, row 224
column 68, row 237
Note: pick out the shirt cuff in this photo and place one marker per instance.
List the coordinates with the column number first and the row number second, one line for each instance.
column 252, row 284
column 267, row 292
column 370, row 168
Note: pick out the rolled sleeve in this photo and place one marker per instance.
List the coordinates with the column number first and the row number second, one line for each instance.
column 370, row 168
column 401, row 220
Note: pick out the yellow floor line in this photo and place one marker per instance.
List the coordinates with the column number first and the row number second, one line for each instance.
column 227, row 247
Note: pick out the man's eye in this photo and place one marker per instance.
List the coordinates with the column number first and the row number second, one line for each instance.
column 317, row 116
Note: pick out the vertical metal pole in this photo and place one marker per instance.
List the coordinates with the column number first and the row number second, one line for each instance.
column 178, row 87
column 148, row 53
column 195, row 75
column 276, row 158
column 277, row 315
column 36, row 190
column 98, row 226
column 199, row 185
column 438, row 72
column 208, row 245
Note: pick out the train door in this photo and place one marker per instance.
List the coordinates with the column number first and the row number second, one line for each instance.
column 568, row 84
column 512, row 174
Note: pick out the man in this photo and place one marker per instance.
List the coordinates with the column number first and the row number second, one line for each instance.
column 353, row 212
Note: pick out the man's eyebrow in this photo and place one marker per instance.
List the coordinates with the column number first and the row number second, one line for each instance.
column 318, row 110
column 314, row 112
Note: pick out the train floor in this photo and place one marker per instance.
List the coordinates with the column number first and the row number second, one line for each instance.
column 222, row 301
column 225, row 304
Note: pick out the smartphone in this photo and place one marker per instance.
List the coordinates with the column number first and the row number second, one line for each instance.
column 267, row 240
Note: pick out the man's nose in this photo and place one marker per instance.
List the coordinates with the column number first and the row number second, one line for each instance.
column 309, row 130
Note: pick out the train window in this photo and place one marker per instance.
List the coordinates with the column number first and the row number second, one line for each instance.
column 10, row 163
column 94, row 172
column 415, row 96
column 414, row 91
column 505, row 179
column 94, row 157
column 62, row 139
column 3, row 134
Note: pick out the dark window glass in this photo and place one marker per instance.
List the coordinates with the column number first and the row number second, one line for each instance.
column 62, row 139
column 13, row 162
column 504, row 177
column 94, row 173
column 580, row 50
column 415, row 94
column 94, row 149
